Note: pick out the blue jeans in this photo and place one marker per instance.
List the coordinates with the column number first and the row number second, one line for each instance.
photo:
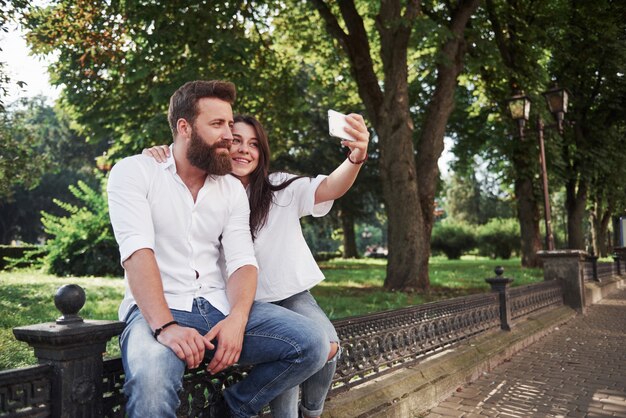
column 285, row 348
column 315, row 388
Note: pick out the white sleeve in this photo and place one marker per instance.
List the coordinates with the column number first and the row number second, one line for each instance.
column 236, row 236
column 304, row 193
column 127, row 190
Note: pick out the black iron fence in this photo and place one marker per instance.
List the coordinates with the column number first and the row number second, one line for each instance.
column 372, row 345
column 599, row 271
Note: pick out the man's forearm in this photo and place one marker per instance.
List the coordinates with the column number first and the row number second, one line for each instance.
column 241, row 289
column 144, row 280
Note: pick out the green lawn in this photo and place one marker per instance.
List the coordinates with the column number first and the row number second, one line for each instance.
column 352, row 287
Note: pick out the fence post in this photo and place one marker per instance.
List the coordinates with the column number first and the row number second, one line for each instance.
column 501, row 285
column 594, row 267
column 567, row 266
column 73, row 347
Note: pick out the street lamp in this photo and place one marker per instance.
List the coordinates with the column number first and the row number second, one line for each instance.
column 519, row 107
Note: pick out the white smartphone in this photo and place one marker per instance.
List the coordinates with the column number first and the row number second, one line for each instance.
column 336, row 123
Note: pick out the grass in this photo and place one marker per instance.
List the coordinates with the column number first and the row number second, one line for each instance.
column 352, row 287
column 27, row 297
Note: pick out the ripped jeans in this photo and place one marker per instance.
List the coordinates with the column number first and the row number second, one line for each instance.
column 315, row 388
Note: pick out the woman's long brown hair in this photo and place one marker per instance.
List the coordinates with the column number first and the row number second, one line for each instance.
column 261, row 190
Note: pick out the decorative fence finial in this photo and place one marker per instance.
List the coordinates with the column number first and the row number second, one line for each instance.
column 69, row 299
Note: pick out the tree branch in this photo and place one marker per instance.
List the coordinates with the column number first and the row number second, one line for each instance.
column 497, row 29
column 331, row 22
column 356, row 46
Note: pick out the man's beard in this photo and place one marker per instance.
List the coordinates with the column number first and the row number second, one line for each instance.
column 207, row 158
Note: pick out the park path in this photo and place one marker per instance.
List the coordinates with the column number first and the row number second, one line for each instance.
column 579, row 370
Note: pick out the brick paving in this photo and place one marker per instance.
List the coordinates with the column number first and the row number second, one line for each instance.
column 579, row 370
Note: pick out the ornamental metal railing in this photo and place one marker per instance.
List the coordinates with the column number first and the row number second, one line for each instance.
column 76, row 382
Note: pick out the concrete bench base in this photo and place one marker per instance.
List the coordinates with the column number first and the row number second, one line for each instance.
column 596, row 291
column 414, row 390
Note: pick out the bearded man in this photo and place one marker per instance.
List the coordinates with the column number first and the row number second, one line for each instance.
column 170, row 221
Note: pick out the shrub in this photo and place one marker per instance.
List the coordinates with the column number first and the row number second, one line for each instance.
column 453, row 239
column 326, row 255
column 499, row 238
column 13, row 256
column 82, row 243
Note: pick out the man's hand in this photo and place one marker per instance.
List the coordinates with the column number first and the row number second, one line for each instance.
column 229, row 334
column 186, row 343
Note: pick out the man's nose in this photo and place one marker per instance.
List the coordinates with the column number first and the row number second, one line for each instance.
column 228, row 134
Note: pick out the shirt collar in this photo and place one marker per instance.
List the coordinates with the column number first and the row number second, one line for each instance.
column 170, row 160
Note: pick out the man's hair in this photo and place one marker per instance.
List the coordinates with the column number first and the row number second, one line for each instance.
column 184, row 101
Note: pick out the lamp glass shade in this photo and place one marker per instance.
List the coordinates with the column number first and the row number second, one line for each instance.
column 557, row 100
column 519, row 107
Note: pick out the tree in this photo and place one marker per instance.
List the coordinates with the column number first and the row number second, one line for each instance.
column 408, row 173
column 518, row 29
column 20, row 163
column 589, row 58
column 121, row 62
column 54, row 156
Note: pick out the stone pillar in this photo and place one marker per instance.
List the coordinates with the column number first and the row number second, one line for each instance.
column 567, row 266
column 594, row 266
column 501, row 285
column 74, row 348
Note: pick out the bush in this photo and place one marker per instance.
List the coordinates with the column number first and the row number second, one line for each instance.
column 499, row 238
column 82, row 243
column 453, row 239
column 12, row 256
column 326, row 255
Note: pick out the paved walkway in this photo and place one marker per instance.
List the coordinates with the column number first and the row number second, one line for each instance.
column 578, row 370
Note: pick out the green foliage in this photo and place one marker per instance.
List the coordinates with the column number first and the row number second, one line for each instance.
column 10, row 255
column 82, row 243
column 318, row 233
column 53, row 156
column 20, row 163
column 499, row 238
column 453, row 239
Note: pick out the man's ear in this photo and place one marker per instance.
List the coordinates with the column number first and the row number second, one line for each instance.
column 183, row 127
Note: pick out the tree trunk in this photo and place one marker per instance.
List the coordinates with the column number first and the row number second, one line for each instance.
column 575, row 203
column 603, row 218
column 603, row 234
column 616, row 232
column 528, row 216
column 507, row 40
column 405, row 219
column 430, row 145
column 349, row 241
column 594, row 229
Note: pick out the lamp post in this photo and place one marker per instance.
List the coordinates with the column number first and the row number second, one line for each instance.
column 519, row 108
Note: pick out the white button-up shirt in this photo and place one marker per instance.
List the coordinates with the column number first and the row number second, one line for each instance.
column 286, row 265
column 151, row 207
